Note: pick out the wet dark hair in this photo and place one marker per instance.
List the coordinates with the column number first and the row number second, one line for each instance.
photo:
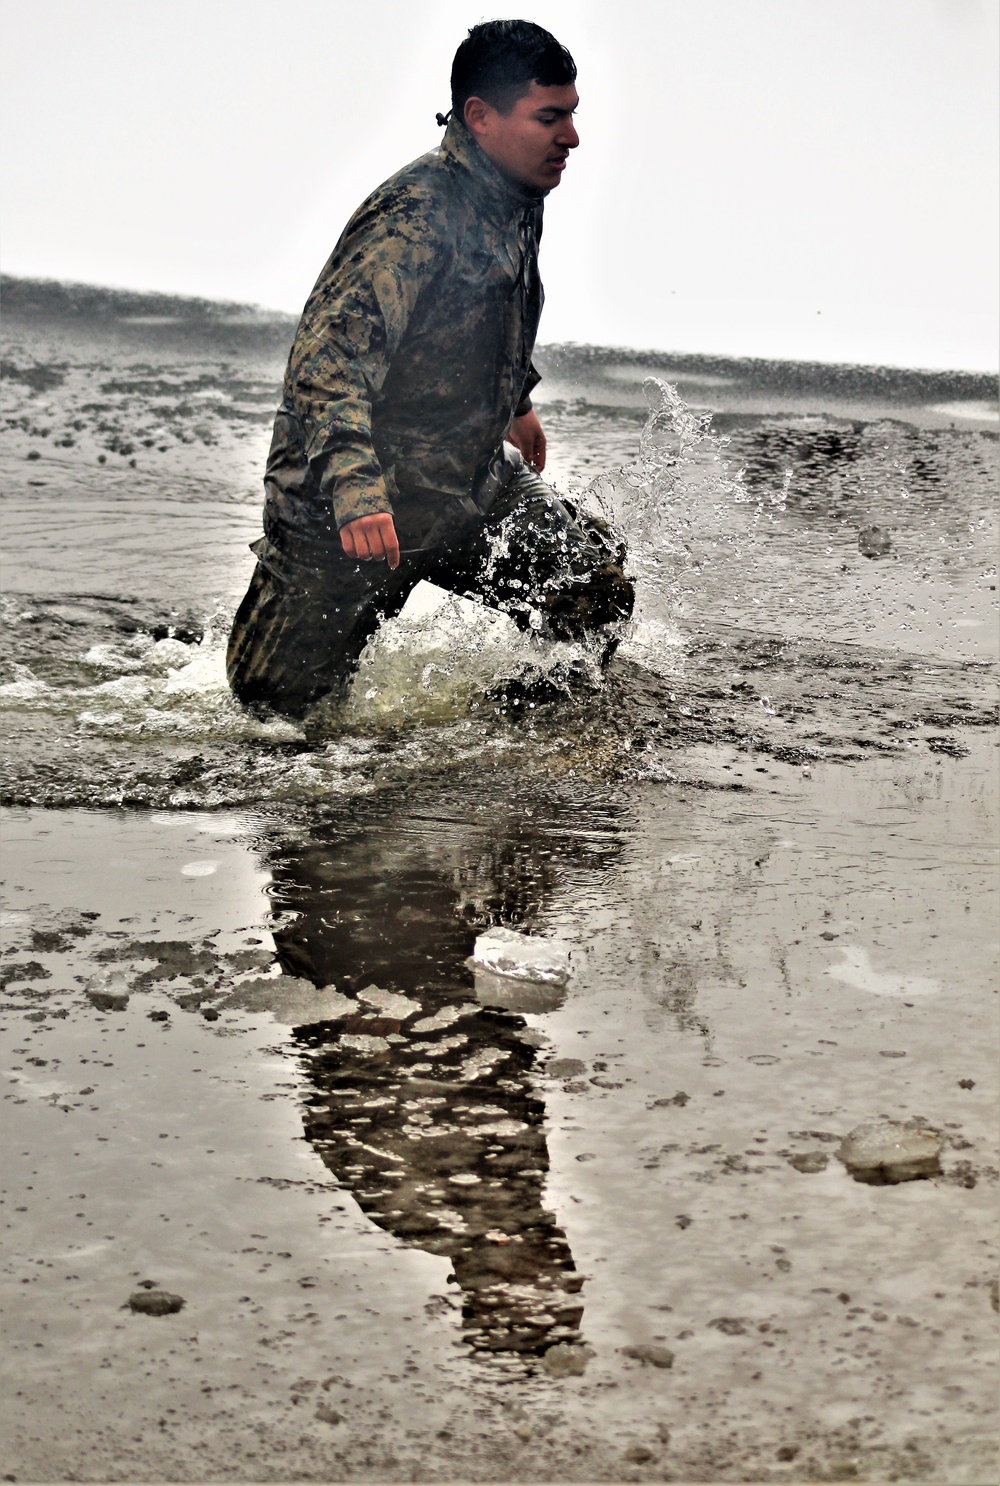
column 499, row 60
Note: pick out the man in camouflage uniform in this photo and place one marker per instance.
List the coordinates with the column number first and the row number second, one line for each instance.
column 410, row 369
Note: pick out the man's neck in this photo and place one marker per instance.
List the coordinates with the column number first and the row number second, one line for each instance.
column 470, row 152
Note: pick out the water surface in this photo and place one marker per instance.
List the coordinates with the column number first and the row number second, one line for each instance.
column 242, row 999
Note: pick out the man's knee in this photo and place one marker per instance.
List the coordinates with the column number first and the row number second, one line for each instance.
column 290, row 647
column 577, row 604
column 268, row 658
column 587, row 588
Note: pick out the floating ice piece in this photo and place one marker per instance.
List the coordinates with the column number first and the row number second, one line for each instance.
column 390, row 1003
column 857, row 970
column 502, row 1128
column 441, row 1019
column 480, row 1063
column 438, row 1049
column 874, row 541
column 525, row 997
column 291, row 999
column 566, row 1068
column 522, row 956
column 886, row 1151
column 649, row 1353
column 358, row 1042
column 155, row 1302
column 108, row 990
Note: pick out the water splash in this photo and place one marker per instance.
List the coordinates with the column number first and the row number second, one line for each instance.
column 679, row 493
column 140, row 687
column 445, row 657
column 741, row 550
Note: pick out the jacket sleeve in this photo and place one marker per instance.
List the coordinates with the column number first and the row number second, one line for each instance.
column 349, row 332
column 531, row 381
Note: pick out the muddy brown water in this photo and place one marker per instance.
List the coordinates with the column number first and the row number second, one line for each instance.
column 249, row 1063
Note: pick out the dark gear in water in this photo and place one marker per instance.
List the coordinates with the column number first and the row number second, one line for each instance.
column 518, row 547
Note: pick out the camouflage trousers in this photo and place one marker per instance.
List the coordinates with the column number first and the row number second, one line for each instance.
column 527, row 553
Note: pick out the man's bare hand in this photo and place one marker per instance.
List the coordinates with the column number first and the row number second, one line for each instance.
column 370, row 537
column 526, row 434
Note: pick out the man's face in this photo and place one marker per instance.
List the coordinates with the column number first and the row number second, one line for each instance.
column 531, row 144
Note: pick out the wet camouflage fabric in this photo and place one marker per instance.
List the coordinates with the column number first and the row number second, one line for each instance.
column 292, row 644
column 412, row 355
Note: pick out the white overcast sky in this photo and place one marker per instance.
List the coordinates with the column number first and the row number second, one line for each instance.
column 800, row 178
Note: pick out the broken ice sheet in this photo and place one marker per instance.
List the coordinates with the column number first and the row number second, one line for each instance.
column 522, row 956
column 525, row 997
column 290, row 999
column 389, row 1003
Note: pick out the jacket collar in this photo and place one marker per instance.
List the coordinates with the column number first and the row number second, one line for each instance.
column 496, row 194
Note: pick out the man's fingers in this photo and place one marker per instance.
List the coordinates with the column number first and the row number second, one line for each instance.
column 390, row 542
column 370, row 537
column 352, row 539
column 527, row 435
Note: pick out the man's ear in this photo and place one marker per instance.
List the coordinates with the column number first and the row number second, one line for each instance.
column 476, row 114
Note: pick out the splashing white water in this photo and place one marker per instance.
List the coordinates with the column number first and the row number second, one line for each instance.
column 675, row 504
column 444, row 654
column 156, row 688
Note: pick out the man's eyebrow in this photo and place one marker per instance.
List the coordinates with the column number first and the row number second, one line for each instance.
column 548, row 108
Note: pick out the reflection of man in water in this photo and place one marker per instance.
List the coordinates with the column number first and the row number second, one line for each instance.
column 424, row 1104
column 410, row 369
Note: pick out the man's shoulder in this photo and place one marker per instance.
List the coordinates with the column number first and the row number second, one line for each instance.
column 419, row 192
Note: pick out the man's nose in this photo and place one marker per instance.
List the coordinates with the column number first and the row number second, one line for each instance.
column 568, row 136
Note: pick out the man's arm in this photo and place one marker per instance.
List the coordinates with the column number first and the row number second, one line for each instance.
column 350, row 329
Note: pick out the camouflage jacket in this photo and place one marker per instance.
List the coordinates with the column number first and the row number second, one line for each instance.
column 412, row 355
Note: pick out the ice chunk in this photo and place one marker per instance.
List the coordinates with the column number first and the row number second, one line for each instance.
column 108, row 990
column 358, row 1042
column 480, row 1063
column 442, row 1018
column 522, row 956
column 886, row 1151
column 389, row 1002
column 291, row 999
column 503, row 1128
column 565, row 1360
column 526, row 997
